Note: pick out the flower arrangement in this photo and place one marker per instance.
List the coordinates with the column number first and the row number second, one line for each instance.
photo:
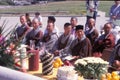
column 10, row 49
column 91, row 67
column 6, row 56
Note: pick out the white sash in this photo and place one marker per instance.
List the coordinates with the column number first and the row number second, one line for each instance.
column 92, row 30
column 116, row 8
column 107, row 35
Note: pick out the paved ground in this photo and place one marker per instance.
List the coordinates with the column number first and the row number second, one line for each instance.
column 12, row 21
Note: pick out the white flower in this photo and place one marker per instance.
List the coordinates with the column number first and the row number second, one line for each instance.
column 85, row 61
column 81, row 61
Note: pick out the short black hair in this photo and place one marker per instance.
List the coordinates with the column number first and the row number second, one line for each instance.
column 108, row 23
column 37, row 13
column 78, row 27
column 51, row 18
column 66, row 25
column 74, row 18
column 26, row 14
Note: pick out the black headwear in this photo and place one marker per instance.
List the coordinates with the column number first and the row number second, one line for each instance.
column 78, row 27
column 51, row 18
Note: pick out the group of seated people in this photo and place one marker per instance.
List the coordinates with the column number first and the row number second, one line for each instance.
column 74, row 41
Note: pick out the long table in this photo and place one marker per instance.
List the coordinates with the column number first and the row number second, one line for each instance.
column 48, row 77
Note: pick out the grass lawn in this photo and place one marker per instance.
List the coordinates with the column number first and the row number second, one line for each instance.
column 68, row 7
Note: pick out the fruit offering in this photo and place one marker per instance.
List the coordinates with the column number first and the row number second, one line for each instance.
column 110, row 76
column 57, row 63
column 67, row 63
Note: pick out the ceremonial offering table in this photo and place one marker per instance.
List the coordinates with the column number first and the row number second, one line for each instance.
column 48, row 77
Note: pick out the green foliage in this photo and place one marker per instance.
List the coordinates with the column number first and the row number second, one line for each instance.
column 3, row 3
column 91, row 70
column 6, row 2
column 10, row 48
column 71, row 7
column 6, row 59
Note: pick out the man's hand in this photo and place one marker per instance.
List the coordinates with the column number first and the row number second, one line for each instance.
column 56, row 52
column 116, row 64
column 91, row 9
column 75, row 57
column 114, row 17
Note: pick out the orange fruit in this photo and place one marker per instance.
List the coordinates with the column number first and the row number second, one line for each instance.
column 56, row 65
column 59, row 61
column 115, row 78
column 103, row 77
column 109, row 77
column 114, row 74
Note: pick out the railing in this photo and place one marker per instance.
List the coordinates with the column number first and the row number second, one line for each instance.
column 9, row 74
